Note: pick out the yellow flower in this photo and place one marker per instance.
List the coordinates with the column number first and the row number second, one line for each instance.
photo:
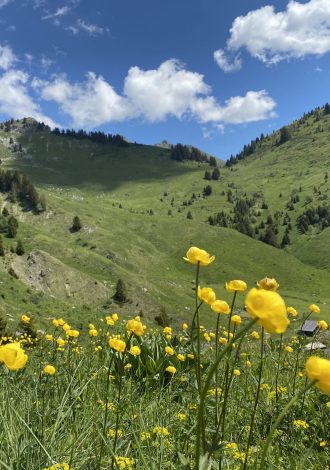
column 236, row 319
column 220, row 306
column 323, row 443
column 25, row 319
column 269, row 307
column 236, row 372
column 110, row 321
column 167, row 330
column 318, row 369
column 124, row 463
column 197, row 256
column 112, row 433
column 160, row 431
column 181, row 416
column 191, row 356
column 314, row 308
column 55, row 323
column 13, row 356
column 299, row 423
column 169, row 350
column 180, row 357
column 327, row 404
column 255, row 335
column 171, row 369
column 60, row 342
column 323, row 325
column 292, row 311
column 207, row 337
column 117, row 344
column 61, row 321
column 73, row 333
column 185, row 326
column 206, row 294
column 49, row 370
column 135, row 326
column 49, row 337
column 236, row 286
column 223, row 340
column 135, row 350
column 66, row 327
column 115, row 317
column 288, row 349
column 268, row 284
column 93, row 332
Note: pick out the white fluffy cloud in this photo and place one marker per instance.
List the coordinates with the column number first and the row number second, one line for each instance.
column 225, row 64
column 302, row 29
column 89, row 104
column 7, row 57
column 153, row 95
column 15, row 100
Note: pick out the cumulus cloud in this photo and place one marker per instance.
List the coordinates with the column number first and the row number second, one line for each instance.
column 89, row 104
column 301, row 29
column 225, row 64
column 153, row 95
column 15, row 100
column 7, row 57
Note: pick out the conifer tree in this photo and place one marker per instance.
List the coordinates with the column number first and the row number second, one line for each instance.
column 20, row 248
column 76, row 224
column 120, row 294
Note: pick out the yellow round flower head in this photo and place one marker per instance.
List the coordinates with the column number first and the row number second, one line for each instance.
column 236, row 319
column 13, row 356
column 323, row 325
column 220, row 306
column 180, row 357
column 135, row 350
column 206, row 294
column 25, row 319
column 318, row 369
column 269, row 307
column 169, row 350
column 236, row 286
column 135, row 326
column 314, row 308
column 292, row 311
column 117, row 344
column 93, row 332
column 185, row 326
column 268, row 283
column 236, row 372
column 288, row 349
column 255, row 335
column 171, row 369
column 197, row 256
column 49, row 370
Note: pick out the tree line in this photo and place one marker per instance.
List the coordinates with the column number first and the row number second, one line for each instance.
column 94, row 136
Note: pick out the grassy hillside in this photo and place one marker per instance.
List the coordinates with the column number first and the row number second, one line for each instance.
column 133, row 204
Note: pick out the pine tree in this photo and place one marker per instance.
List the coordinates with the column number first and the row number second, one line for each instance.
column 284, row 135
column 213, row 161
column 76, row 224
column 216, row 174
column 207, row 191
column 189, row 215
column 120, row 294
column 12, row 227
column 207, row 175
column 2, row 250
column 20, row 248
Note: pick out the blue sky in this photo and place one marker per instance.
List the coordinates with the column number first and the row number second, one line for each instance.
column 214, row 74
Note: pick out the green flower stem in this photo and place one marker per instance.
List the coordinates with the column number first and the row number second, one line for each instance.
column 106, row 408
column 278, row 367
column 208, row 379
column 278, row 421
column 256, row 400
column 120, row 387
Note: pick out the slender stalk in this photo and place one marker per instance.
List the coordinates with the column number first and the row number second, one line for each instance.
column 278, row 421
column 278, row 367
column 256, row 400
column 207, row 385
column 106, row 407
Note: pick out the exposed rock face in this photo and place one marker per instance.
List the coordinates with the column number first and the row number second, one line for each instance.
column 47, row 274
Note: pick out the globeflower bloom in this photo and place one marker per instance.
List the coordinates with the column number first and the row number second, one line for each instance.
column 171, row 369
column 236, row 319
column 292, row 311
column 314, row 308
column 135, row 326
column 236, row 286
column 169, row 350
column 318, row 369
column 323, row 325
column 269, row 307
column 197, row 256
column 117, row 344
column 268, row 284
column 288, row 349
column 49, row 370
column 135, row 351
column 206, row 294
column 220, row 306
column 25, row 319
column 13, row 356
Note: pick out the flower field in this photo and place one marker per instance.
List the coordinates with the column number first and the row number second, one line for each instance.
column 119, row 395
